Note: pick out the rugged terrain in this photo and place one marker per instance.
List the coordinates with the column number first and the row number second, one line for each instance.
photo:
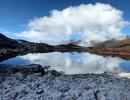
column 119, row 48
column 34, row 82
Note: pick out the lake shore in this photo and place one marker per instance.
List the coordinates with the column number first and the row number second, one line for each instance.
column 34, row 82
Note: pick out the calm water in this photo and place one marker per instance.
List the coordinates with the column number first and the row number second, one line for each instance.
column 73, row 63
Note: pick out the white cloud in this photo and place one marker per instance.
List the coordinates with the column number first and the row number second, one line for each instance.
column 95, row 23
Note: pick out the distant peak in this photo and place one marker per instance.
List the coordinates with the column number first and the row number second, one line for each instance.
column 3, row 37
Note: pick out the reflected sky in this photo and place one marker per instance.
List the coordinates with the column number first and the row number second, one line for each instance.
column 73, row 63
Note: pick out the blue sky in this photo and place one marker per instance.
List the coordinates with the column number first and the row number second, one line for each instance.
column 16, row 14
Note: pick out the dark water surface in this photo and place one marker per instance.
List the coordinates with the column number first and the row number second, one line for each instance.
column 73, row 63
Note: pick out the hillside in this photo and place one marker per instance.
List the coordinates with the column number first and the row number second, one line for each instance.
column 6, row 42
column 113, row 43
column 9, row 47
column 36, row 47
column 113, row 47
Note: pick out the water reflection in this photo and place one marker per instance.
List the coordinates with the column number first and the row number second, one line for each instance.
column 72, row 63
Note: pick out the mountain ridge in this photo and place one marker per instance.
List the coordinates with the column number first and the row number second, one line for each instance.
column 9, row 47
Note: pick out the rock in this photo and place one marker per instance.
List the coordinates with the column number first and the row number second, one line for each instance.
column 22, row 93
column 99, row 95
column 33, row 68
column 39, row 91
column 20, row 77
column 55, row 73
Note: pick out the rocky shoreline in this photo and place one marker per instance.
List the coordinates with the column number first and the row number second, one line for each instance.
column 34, row 82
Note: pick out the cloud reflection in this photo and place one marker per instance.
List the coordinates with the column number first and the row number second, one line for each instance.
column 74, row 63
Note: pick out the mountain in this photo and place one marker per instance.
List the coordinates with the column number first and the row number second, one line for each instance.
column 113, row 47
column 11, row 47
column 6, row 42
column 114, row 43
column 75, row 42
column 38, row 47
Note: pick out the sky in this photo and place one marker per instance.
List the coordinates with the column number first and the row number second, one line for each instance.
column 56, row 20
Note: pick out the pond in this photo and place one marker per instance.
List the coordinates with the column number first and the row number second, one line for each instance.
column 73, row 63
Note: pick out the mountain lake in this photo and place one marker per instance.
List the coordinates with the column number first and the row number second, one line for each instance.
column 73, row 63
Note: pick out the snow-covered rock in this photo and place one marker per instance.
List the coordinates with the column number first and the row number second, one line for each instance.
column 53, row 85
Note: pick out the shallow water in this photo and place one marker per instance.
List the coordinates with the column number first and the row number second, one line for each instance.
column 73, row 63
